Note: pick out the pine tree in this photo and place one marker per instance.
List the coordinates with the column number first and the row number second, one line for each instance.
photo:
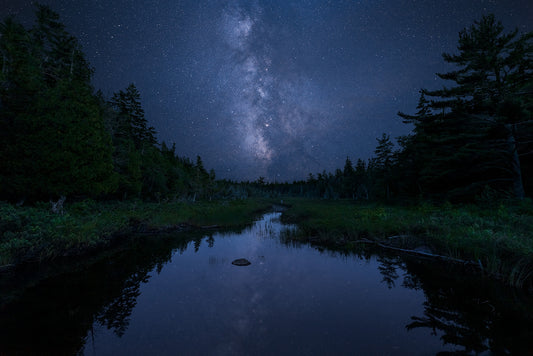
column 55, row 142
column 136, row 159
column 71, row 151
column 424, row 154
column 474, row 133
column 383, row 163
column 361, row 179
column 20, row 84
column 60, row 52
column 131, row 122
column 348, row 180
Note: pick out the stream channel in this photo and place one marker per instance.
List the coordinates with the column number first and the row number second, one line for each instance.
column 180, row 294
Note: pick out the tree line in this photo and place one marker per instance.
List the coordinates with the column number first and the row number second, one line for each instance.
column 61, row 138
column 472, row 138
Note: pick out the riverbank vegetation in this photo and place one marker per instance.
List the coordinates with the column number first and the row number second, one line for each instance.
column 497, row 240
column 36, row 234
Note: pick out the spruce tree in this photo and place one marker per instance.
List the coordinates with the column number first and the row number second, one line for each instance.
column 55, row 142
column 131, row 122
column 361, row 180
column 132, row 141
column 383, row 163
column 348, row 180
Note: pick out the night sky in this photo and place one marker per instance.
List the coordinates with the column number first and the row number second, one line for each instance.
column 272, row 88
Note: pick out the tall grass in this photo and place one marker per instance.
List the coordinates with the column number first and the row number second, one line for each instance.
column 36, row 234
column 498, row 239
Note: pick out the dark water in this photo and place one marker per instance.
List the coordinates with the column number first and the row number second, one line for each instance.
column 182, row 295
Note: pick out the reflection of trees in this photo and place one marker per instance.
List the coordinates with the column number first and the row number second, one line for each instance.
column 197, row 243
column 387, row 268
column 457, row 330
column 210, row 241
column 116, row 314
column 469, row 312
column 55, row 316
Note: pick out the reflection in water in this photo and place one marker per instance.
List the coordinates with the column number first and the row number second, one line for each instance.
column 479, row 316
column 116, row 315
column 55, row 316
column 180, row 294
column 387, row 267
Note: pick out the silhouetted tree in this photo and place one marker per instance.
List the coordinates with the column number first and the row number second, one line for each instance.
column 479, row 129
column 383, row 162
column 53, row 136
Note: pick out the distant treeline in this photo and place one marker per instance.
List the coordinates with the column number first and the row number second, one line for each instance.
column 59, row 137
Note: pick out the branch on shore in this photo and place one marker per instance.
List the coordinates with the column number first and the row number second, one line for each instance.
column 208, row 227
column 420, row 253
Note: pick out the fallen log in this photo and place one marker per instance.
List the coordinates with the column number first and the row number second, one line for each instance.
column 421, row 253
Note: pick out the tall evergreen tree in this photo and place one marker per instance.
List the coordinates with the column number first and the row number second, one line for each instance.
column 135, row 160
column 361, row 180
column 60, row 52
column 424, row 153
column 348, row 180
column 131, row 122
column 20, row 84
column 55, row 142
column 383, row 163
column 478, row 128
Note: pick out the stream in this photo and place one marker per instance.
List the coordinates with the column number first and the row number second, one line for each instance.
column 181, row 294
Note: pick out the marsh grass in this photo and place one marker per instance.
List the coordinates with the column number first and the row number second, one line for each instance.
column 498, row 239
column 266, row 230
column 36, row 234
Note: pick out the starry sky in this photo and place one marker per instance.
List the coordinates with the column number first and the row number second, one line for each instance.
column 276, row 88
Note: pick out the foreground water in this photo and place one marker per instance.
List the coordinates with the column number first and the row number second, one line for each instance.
column 171, row 296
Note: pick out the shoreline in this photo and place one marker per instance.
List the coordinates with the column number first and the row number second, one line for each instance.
column 496, row 242
column 36, row 235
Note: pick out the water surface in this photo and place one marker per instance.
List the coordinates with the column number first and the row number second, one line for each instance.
column 175, row 295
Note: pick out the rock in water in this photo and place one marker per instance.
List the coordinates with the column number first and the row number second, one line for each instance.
column 241, row 262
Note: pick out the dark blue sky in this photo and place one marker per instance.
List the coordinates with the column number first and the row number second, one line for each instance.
column 273, row 88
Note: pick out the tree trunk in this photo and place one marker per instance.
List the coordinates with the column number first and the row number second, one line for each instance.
column 518, row 185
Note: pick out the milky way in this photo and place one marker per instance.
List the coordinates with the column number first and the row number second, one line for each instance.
column 278, row 118
column 274, row 88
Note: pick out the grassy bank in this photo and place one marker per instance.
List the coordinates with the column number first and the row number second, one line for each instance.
column 499, row 239
column 36, row 234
